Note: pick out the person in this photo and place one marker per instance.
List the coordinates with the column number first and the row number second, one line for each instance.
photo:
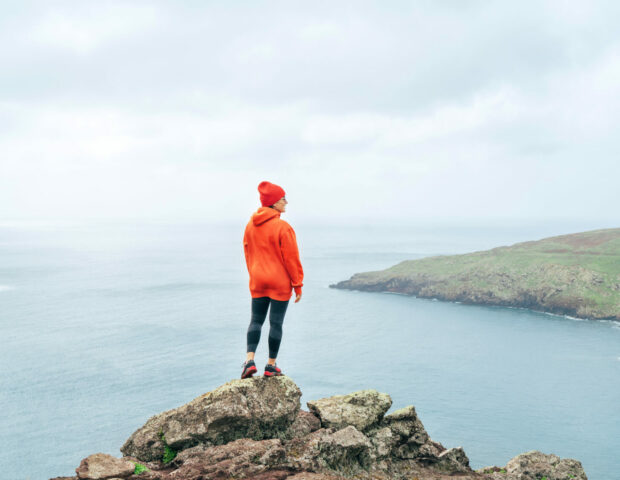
column 272, row 259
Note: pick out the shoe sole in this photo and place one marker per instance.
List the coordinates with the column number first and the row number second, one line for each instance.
column 273, row 374
column 249, row 372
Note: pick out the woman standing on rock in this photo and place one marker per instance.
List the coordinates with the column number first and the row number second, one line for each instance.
column 272, row 259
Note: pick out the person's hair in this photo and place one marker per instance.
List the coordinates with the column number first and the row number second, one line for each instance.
column 272, row 206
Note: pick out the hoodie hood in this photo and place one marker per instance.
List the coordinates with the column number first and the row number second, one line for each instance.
column 264, row 214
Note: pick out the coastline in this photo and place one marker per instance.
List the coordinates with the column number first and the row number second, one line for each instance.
column 577, row 275
column 614, row 323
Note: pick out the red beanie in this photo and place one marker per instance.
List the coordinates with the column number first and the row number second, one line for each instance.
column 270, row 193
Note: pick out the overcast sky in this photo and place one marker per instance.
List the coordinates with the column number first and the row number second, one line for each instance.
column 391, row 110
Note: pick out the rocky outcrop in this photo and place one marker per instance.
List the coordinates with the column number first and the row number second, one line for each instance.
column 238, row 409
column 255, row 428
column 534, row 465
column 361, row 409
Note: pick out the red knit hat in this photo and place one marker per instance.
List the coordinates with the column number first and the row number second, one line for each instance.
column 270, row 193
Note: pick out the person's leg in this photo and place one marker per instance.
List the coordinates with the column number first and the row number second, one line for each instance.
column 259, row 313
column 276, row 318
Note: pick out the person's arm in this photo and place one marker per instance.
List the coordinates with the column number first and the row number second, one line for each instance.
column 290, row 255
column 246, row 249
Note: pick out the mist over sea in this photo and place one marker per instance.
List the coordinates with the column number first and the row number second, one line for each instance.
column 103, row 326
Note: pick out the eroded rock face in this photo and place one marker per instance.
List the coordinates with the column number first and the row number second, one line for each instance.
column 100, row 466
column 362, row 409
column 346, row 451
column 534, row 465
column 242, row 457
column 453, row 460
column 255, row 408
column 304, row 424
column 410, row 435
column 401, row 436
column 254, row 428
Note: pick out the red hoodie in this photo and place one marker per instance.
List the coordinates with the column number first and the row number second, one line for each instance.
column 272, row 256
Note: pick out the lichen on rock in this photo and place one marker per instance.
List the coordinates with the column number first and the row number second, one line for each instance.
column 255, row 408
column 362, row 409
column 255, row 428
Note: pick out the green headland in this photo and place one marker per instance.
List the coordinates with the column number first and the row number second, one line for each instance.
column 576, row 274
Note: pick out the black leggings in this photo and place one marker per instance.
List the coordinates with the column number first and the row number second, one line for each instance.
column 276, row 317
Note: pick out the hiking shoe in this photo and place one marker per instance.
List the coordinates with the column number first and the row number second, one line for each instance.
column 249, row 369
column 272, row 371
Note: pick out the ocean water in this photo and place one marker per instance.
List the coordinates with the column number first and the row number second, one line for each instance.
column 103, row 326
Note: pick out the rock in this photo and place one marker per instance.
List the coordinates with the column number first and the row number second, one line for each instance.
column 344, row 451
column 427, row 453
column 534, row 465
column 402, row 435
column 304, row 424
column 313, row 476
column 453, row 460
column 271, row 475
column 255, row 429
column 255, row 408
column 239, row 458
column 384, row 442
column 362, row 409
column 145, row 443
column 103, row 466
column 406, row 424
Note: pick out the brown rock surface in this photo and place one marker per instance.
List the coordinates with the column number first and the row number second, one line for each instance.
column 361, row 409
column 339, row 451
column 255, row 408
column 242, row 457
column 280, row 441
column 100, row 466
column 534, row 465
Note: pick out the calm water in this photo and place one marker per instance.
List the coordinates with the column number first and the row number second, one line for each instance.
column 104, row 326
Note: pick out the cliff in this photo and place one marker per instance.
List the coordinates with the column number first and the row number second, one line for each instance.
column 255, row 429
column 577, row 275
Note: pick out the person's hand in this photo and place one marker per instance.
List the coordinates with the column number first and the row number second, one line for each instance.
column 298, row 297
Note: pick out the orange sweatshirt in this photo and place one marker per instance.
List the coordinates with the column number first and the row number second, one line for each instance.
column 272, row 256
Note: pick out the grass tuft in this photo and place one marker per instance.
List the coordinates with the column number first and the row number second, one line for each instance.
column 139, row 469
column 169, row 453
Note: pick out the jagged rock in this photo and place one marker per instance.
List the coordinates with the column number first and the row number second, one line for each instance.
column 362, row 409
column 239, row 458
column 401, row 435
column 345, row 451
column 453, row 460
column 406, row 424
column 304, row 424
column 384, row 440
column 254, row 428
column 534, row 465
column 255, row 408
column 427, row 453
column 100, row 466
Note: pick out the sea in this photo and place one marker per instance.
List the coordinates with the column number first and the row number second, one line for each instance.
column 105, row 324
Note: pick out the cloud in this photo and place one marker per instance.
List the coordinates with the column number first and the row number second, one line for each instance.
column 87, row 27
column 454, row 110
